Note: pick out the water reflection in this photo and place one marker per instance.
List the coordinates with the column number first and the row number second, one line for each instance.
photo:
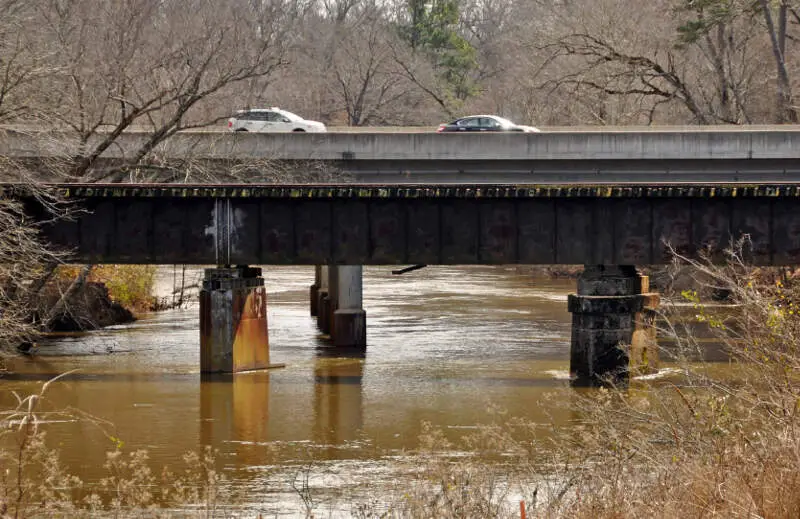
column 234, row 415
column 338, row 396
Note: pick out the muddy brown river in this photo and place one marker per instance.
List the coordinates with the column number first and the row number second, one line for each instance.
column 446, row 345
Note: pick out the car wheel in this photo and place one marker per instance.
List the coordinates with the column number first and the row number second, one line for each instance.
column 298, row 130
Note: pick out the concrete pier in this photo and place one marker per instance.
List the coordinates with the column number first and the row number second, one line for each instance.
column 233, row 320
column 349, row 326
column 313, row 292
column 324, row 312
column 333, row 298
column 613, row 336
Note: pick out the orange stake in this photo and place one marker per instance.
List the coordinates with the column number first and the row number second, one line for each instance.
column 522, row 509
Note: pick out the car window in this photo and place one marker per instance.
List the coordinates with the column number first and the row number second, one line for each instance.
column 256, row 116
column 289, row 115
column 488, row 122
column 472, row 122
column 274, row 117
column 505, row 123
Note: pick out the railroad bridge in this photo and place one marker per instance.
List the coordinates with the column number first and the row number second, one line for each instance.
column 434, row 224
column 610, row 200
column 339, row 228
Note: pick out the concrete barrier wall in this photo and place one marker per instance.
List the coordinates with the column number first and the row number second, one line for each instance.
column 745, row 145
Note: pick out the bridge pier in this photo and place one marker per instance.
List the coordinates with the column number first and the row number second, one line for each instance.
column 313, row 292
column 324, row 311
column 233, row 320
column 340, row 312
column 349, row 323
column 612, row 325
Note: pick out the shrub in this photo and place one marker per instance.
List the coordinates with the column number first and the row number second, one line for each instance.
column 33, row 483
column 128, row 285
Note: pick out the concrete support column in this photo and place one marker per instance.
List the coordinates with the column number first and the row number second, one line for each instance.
column 333, row 297
column 612, row 326
column 323, row 300
column 349, row 318
column 313, row 292
column 233, row 321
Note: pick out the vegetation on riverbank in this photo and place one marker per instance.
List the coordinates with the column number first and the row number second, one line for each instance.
column 691, row 443
column 106, row 295
column 694, row 444
column 128, row 285
column 26, row 266
column 38, row 293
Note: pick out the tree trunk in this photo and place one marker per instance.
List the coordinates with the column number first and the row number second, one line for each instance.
column 59, row 307
column 785, row 111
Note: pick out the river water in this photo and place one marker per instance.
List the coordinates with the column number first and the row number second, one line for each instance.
column 446, row 345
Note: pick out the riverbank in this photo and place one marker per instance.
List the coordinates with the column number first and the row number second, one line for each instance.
column 91, row 297
column 89, row 308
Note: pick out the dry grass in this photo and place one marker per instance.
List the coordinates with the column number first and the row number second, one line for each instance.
column 33, row 482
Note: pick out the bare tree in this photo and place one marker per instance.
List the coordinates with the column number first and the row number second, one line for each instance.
column 614, row 71
column 150, row 65
column 26, row 262
column 684, row 61
column 786, row 111
column 368, row 83
column 22, row 58
column 724, row 34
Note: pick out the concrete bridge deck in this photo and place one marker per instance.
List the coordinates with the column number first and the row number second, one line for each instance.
column 467, row 224
column 623, row 145
column 743, row 154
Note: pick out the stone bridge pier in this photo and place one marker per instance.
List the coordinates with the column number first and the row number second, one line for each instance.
column 613, row 333
column 234, row 334
column 349, row 323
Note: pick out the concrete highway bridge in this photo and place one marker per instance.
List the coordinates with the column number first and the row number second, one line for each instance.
column 609, row 200
column 743, row 154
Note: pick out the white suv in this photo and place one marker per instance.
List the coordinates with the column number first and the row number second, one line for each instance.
column 271, row 120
